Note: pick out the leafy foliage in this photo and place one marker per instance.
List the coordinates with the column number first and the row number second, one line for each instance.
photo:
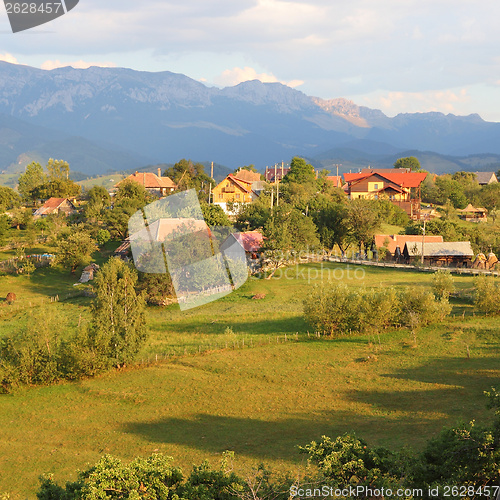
column 442, row 284
column 119, row 324
column 335, row 309
column 487, row 295
column 300, row 172
column 74, row 248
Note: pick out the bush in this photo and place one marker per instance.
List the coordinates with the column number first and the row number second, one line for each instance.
column 336, row 309
column 333, row 309
column 349, row 461
column 487, row 295
column 418, row 307
column 442, row 284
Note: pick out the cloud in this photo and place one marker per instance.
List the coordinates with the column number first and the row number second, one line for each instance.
column 231, row 77
column 6, row 57
column 48, row 65
column 444, row 101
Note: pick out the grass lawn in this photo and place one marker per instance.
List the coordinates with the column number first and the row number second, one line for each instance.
column 259, row 401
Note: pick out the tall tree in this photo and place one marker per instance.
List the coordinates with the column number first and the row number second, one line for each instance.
column 189, row 175
column 364, row 221
column 33, row 177
column 119, row 322
column 334, row 226
column 300, row 172
column 58, row 170
column 97, row 200
column 287, row 232
column 8, row 198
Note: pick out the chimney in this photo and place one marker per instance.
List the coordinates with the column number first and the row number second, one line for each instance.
column 159, row 172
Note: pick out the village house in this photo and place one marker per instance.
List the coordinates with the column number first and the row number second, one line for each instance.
column 449, row 253
column 154, row 184
column 242, row 187
column 484, row 178
column 402, row 188
column 55, row 206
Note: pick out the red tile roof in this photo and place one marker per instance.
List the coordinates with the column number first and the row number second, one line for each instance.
column 404, row 179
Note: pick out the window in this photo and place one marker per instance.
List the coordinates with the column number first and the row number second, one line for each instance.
column 221, row 196
column 375, row 186
column 237, row 196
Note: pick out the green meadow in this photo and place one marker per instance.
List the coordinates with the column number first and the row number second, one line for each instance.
column 245, row 375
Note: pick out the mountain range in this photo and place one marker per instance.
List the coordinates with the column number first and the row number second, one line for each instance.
column 115, row 119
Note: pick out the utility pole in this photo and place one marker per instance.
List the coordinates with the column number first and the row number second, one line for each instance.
column 278, row 193
column 423, row 241
column 210, row 189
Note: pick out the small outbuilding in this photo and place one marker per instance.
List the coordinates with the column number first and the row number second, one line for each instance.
column 472, row 214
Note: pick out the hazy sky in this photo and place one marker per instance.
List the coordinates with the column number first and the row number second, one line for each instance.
column 394, row 55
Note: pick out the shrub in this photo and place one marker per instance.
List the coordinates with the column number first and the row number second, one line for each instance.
column 349, row 461
column 418, row 307
column 333, row 309
column 336, row 309
column 442, row 284
column 487, row 295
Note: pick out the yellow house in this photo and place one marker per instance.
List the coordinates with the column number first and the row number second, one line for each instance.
column 233, row 190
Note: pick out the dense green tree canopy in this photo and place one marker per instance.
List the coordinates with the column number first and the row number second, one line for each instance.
column 408, row 162
column 300, row 172
column 74, row 248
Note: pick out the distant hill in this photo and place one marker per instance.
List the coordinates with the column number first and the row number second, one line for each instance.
column 115, row 119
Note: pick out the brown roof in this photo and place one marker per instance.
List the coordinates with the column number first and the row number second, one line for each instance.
column 150, row 180
column 244, row 185
column 469, row 208
column 247, row 176
column 399, row 240
column 486, row 177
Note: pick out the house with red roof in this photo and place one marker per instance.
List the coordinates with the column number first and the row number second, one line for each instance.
column 400, row 187
column 155, row 184
column 55, row 206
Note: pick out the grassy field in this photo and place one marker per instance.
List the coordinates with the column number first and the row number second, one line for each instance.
column 260, row 399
